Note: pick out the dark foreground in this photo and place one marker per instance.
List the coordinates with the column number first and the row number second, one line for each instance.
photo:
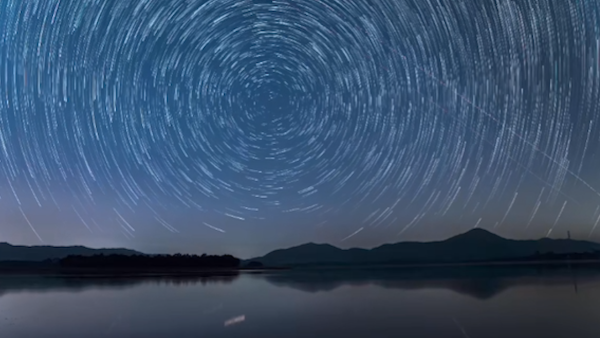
column 549, row 301
column 42, row 268
column 124, row 272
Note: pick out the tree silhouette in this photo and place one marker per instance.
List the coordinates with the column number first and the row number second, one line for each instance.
column 148, row 261
column 254, row 264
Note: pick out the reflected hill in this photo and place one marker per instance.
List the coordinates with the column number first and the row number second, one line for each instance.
column 32, row 283
column 483, row 282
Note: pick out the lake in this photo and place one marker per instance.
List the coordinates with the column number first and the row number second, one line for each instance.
column 473, row 303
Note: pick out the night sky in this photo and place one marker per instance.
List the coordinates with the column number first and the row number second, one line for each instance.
column 239, row 127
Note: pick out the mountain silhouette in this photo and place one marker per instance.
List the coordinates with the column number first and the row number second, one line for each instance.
column 476, row 245
column 10, row 252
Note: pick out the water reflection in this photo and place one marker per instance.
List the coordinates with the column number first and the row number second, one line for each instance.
column 477, row 282
column 32, row 283
column 550, row 302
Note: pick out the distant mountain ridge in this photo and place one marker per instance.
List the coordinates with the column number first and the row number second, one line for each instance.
column 9, row 252
column 476, row 245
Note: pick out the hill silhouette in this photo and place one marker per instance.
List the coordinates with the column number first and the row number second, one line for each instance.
column 476, row 245
column 9, row 252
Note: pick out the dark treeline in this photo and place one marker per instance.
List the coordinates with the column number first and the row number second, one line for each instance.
column 551, row 256
column 548, row 257
column 150, row 262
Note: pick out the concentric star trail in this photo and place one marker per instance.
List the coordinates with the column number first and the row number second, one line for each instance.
column 215, row 123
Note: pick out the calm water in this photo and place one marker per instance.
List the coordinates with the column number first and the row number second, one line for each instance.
column 491, row 303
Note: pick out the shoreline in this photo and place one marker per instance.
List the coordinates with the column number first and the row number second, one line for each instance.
column 120, row 272
column 54, row 271
column 507, row 263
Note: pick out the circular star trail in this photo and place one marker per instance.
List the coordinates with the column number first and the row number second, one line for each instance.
column 362, row 117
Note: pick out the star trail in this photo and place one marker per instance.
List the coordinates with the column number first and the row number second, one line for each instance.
column 243, row 126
